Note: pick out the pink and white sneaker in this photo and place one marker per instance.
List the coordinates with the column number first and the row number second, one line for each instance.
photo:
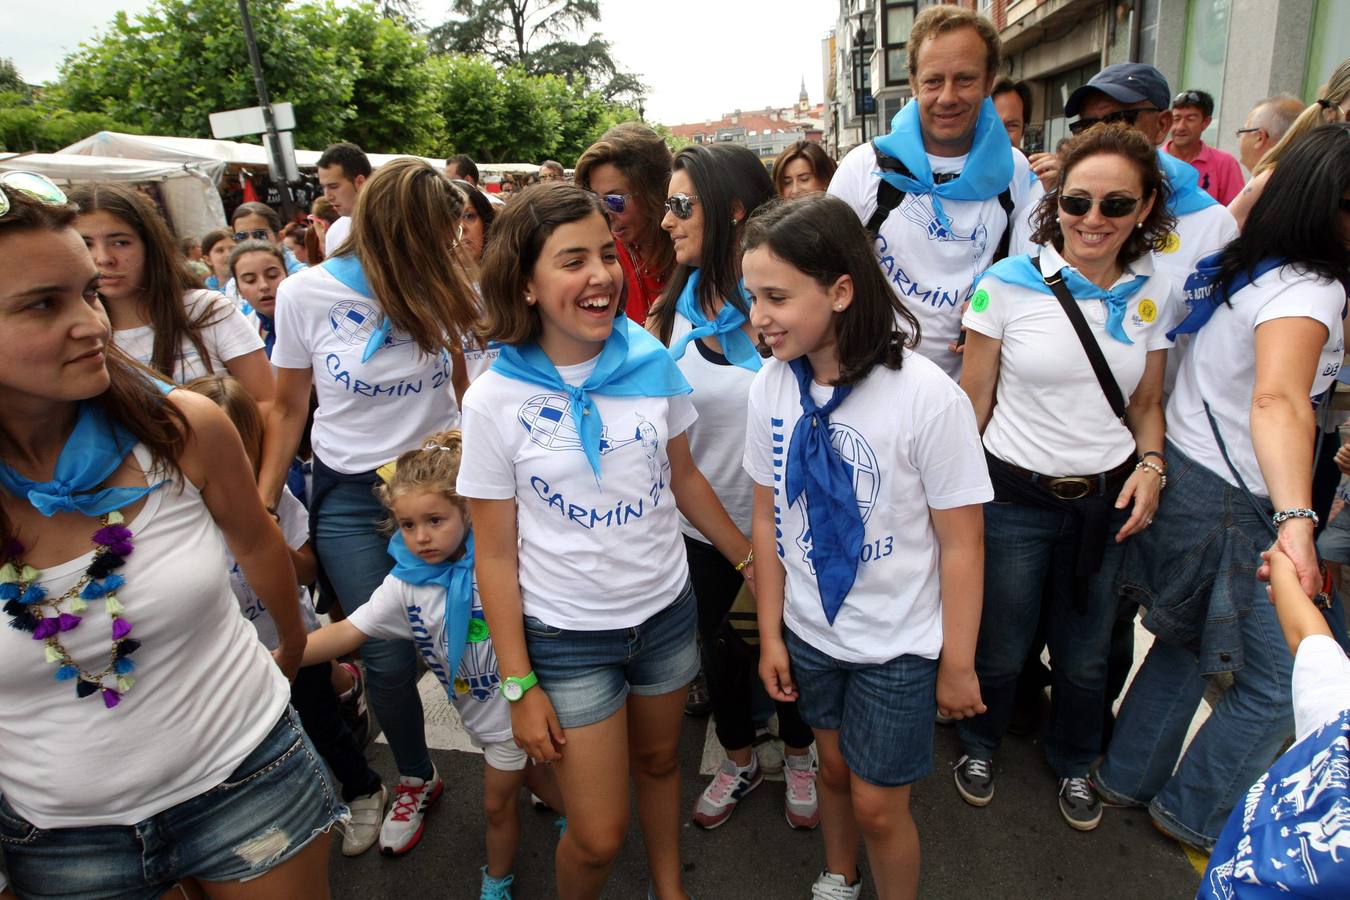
column 402, row 827
column 718, row 800
column 800, row 805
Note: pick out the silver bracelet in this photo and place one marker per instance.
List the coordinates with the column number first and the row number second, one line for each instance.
column 1287, row 514
column 1153, row 467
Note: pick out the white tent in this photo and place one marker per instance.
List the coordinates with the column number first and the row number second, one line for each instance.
column 178, row 149
column 188, row 187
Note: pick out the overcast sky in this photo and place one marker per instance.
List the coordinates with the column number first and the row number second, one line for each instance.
column 719, row 56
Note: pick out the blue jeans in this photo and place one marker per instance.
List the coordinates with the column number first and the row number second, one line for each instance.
column 1029, row 554
column 1233, row 748
column 353, row 554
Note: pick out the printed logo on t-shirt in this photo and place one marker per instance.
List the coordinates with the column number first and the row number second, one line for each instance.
column 354, row 321
column 918, row 214
column 1172, row 244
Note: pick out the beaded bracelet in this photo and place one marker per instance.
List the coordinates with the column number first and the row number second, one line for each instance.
column 749, row 560
column 1154, row 468
column 1286, row 515
column 1147, row 453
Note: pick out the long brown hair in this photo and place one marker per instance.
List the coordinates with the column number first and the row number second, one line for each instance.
column 231, row 396
column 164, row 278
column 822, row 165
column 644, row 159
column 132, row 398
column 403, row 229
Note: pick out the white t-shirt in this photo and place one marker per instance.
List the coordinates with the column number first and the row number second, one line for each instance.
column 295, row 529
column 932, row 270
column 1051, row 415
column 478, row 357
column 1197, row 235
column 336, row 234
column 911, row 440
column 593, row 556
column 228, row 337
column 1221, row 368
column 717, row 439
column 1321, row 684
column 206, row 691
column 368, row 412
column 399, row 611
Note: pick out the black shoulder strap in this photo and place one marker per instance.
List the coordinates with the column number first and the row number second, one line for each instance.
column 1005, row 200
column 1090, row 345
column 888, row 195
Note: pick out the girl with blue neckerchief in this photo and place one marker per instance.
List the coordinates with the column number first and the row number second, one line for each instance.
column 373, row 331
column 430, row 598
column 702, row 318
column 575, row 459
column 868, row 483
column 1076, row 454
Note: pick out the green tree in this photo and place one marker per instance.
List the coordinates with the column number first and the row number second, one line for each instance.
column 538, row 36
column 11, row 82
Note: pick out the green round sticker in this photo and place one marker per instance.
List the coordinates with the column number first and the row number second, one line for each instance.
column 980, row 302
column 478, row 631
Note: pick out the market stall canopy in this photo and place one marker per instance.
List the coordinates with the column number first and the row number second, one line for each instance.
column 179, row 149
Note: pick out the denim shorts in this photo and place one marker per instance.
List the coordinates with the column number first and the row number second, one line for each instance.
column 884, row 713
column 278, row 800
column 588, row 675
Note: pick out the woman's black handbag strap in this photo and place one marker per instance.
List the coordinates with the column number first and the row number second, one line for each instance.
column 1090, row 346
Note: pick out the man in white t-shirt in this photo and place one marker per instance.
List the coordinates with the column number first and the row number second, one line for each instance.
column 933, row 245
column 343, row 170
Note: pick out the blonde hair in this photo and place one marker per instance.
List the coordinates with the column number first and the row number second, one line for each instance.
column 403, row 232
column 938, row 20
column 231, row 396
column 432, row 467
column 1322, row 111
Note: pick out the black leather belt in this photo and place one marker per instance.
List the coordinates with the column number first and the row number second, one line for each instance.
column 1078, row 487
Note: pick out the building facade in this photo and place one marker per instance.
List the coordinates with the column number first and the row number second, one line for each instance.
column 767, row 132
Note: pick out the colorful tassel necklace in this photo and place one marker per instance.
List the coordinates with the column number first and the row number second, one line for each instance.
column 30, row 609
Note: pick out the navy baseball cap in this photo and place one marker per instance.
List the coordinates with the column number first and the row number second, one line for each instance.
column 1126, row 82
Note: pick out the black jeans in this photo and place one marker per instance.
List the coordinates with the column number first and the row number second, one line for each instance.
column 731, row 675
column 313, row 697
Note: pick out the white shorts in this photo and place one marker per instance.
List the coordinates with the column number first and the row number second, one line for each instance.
column 504, row 756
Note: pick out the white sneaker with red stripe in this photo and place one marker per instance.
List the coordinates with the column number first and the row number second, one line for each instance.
column 402, row 827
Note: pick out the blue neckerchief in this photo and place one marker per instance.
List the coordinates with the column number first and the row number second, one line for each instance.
column 736, row 347
column 1021, row 271
column 212, row 283
column 94, row 450
column 1185, row 195
column 1204, row 292
column 293, row 265
column 832, row 515
column 457, row 579
column 269, row 332
column 987, row 171
column 348, row 271
column 632, row 364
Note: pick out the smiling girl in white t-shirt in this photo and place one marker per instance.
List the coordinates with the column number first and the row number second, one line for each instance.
column 575, row 459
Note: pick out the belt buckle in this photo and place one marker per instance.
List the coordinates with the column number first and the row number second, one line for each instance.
column 1073, row 487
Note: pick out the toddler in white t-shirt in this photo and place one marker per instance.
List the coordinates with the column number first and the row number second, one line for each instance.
column 431, row 598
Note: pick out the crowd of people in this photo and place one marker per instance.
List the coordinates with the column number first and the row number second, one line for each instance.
column 855, row 443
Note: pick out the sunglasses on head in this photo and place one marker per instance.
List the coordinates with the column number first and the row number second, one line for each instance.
column 1111, row 207
column 1128, row 116
column 615, row 203
column 39, row 187
column 1188, row 98
column 681, row 205
column 261, row 234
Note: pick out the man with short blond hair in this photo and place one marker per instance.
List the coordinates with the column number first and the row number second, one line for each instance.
column 1266, row 124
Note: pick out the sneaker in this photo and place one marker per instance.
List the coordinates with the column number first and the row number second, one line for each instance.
column 699, row 701
column 403, row 826
column 720, row 797
column 769, row 751
column 799, row 802
column 353, row 709
column 1079, row 804
column 495, row 888
column 363, row 828
column 974, row 780
column 830, row 886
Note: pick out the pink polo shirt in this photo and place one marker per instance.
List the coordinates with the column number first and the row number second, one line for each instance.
column 1220, row 173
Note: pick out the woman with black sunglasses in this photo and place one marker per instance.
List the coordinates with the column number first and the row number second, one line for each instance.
column 1267, row 315
column 629, row 168
column 1075, row 453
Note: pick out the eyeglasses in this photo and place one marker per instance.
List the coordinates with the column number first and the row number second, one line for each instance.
column 1111, row 207
column 681, row 206
column 1188, row 98
column 260, row 234
column 39, row 187
column 1241, row 131
column 615, row 203
column 1128, row 116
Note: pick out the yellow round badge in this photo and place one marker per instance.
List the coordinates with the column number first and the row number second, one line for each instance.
column 1173, row 243
column 1148, row 310
column 461, row 686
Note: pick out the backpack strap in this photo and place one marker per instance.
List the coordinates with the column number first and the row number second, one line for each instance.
column 888, row 195
column 1005, row 200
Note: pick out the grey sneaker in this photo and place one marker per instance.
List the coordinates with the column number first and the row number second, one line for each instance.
column 974, row 780
column 830, row 886
column 363, row 828
column 1079, row 804
column 718, row 800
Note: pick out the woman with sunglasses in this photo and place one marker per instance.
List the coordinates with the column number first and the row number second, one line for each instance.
column 1268, row 324
column 147, row 731
column 802, row 168
column 629, row 168
column 158, row 317
column 702, row 317
column 260, row 222
column 1076, row 471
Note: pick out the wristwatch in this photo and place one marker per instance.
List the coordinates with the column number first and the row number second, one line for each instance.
column 514, row 688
